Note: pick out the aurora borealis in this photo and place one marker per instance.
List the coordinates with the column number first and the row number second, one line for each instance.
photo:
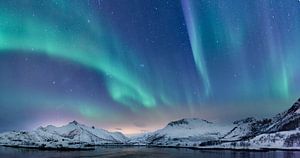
column 135, row 65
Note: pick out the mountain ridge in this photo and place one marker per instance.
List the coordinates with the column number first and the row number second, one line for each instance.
column 70, row 136
column 281, row 132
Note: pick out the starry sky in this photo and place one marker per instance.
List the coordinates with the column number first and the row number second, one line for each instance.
column 132, row 65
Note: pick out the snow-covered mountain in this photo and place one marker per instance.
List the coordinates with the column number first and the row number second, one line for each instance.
column 243, row 128
column 288, row 120
column 247, row 128
column 187, row 131
column 72, row 135
column 281, row 131
column 250, row 127
column 277, row 140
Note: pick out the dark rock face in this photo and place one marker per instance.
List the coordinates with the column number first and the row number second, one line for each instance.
column 294, row 123
column 288, row 120
column 292, row 140
column 179, row 122
column 248, row 128
column 246, row 120
column 295, row 107
column 184, row 121
column 259, row 126
column 74, row 122
column 156, row 139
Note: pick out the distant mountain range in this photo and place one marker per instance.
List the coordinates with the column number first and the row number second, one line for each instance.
column 279, row 132
column 70, row 136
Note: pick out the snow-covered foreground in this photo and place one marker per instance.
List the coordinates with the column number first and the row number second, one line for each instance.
column 279, row 132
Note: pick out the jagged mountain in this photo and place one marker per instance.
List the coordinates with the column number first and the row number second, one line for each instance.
column 247, row 128
column 189, row 130
column 250, row 127
column 243, row 128
column 288, row 120
column 281, row 131
column 277, row 140
column 192, row 127
column 80, row 132
column 72, row 135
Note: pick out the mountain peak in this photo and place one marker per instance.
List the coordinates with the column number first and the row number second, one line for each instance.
column 74, row 122
column 187, row 121
column 72, row 135
column 288, row 120
column 246, row 120
column 295, row 108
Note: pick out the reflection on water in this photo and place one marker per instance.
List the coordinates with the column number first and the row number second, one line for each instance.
column 137, row 152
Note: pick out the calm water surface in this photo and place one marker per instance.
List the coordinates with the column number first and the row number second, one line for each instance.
column 134, row 152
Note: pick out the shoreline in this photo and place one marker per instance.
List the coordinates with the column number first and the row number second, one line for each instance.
column 50, row 148
column 262, row 149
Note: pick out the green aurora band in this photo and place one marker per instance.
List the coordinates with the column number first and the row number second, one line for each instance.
column 85, row 42
column 161, row 61
column 202, row 18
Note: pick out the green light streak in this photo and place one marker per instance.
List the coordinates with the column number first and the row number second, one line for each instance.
column 78, row 41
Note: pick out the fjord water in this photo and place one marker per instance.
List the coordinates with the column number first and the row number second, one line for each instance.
column 137, row 152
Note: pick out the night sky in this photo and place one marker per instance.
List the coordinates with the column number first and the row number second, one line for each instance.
column 134, row 65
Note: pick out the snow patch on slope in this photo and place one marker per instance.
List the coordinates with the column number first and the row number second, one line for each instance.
column 187, row 131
